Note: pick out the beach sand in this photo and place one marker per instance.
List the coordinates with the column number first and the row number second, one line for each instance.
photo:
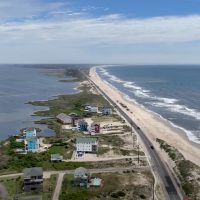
column 152, row 125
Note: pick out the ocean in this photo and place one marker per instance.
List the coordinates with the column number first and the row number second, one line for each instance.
column 172, row 92
column 21, row 84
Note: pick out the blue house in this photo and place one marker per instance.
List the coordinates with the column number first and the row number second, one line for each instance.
column 30, row 132
column 82, row 125
column 32, row 143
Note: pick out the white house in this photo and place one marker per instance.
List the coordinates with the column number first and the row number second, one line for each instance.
column 86, row 144
column 91, row 108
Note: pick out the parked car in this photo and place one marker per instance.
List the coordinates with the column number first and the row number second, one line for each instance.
column 152, row 147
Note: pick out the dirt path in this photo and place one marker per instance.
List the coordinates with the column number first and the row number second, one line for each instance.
column 58, row 186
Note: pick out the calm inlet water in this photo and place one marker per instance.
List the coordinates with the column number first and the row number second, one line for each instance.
column 173, row 92
column 19, row 85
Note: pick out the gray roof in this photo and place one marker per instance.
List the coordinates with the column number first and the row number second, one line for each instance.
column 94, row 124
column 107, row 107
column 82, row 122
column 73, row 114
column 56, row 156
column 81, row 172
column 85, row 139
column 35, row 171
column 64, row 117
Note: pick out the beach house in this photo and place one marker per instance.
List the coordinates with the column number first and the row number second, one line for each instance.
column 81, row 177
column 33, row 179
column 91, row 108
column 82, row 125
column 106, row 110
column 30, row 132
column 94, row 128
column 64, row 119
column 32, row 143
column 95, row 182
column 56, row 158
column 86, row 144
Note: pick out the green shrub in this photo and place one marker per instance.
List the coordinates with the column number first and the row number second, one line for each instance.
column 188, row 188
column 117, row 194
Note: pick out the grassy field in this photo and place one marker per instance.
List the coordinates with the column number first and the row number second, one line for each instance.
column 125, row 186
column 112, row 118
column 49, row 187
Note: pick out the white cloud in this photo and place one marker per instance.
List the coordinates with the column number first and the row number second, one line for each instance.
column 110, row 30
column 78, row 37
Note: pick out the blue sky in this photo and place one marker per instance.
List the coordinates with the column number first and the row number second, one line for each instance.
column 100, row 31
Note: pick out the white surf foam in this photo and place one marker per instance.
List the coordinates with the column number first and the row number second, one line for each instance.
column 182, row 109
column 111, row 77
column 192, row 135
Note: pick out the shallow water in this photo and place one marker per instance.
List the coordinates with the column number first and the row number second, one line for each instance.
column 21, row 84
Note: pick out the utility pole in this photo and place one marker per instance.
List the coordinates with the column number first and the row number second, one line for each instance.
column 138, row 147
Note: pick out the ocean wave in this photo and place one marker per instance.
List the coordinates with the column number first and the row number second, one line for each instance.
column 182, row 109
column 166, row 100
column 111, row 77
column 127, row 97
column 192, row 135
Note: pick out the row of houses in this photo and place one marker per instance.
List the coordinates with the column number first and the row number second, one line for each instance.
column 79, row 124
column 105, row 110
column 33, row 179
column 72, row 118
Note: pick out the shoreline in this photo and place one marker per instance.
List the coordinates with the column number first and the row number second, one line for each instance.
column 173, row 135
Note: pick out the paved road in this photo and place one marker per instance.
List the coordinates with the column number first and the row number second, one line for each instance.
column 95, row 170
column 63, row 172
column 159, row 166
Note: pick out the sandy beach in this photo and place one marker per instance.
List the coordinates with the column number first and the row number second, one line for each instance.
column 150, row 123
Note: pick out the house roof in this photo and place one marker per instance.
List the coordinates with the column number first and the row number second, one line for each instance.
column 82, row 122
column 35, row 171
column 56, row 156
column 73, row 114
column 96, row 182
column 81, row 172
column 32, row 140
column 63, row 117
column 90, row 105
column 85, row 139
column 95, row 124
column 106, row 107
